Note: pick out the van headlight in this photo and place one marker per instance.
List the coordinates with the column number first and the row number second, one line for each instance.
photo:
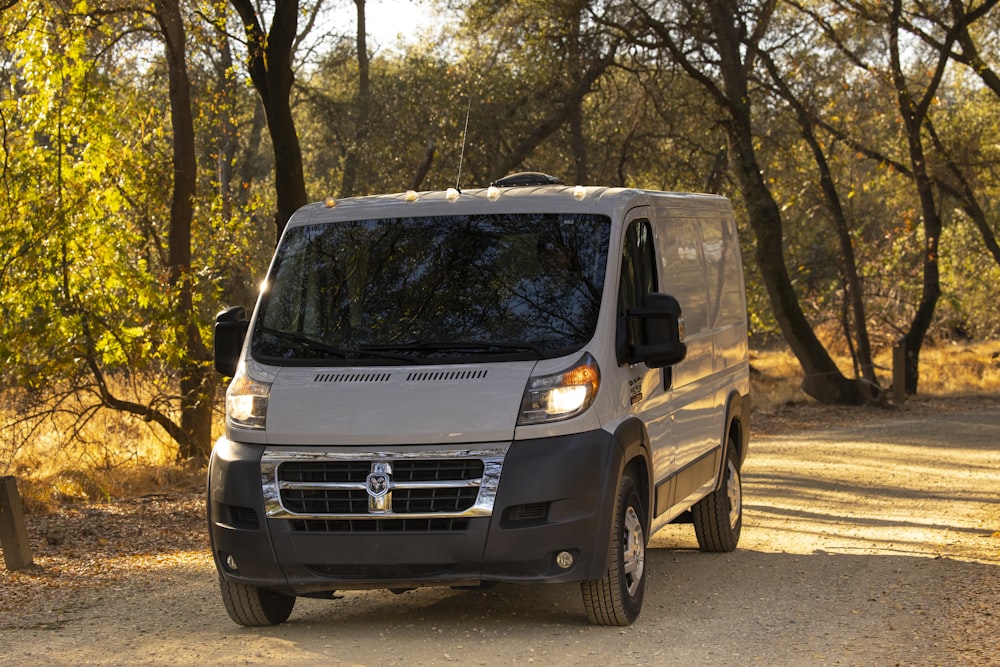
column 246, row 400
column 549, row 398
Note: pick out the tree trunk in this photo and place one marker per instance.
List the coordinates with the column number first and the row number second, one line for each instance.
column 196, row 378
column 727, row 82
column 228, row 131
column 852, row 279
column 269, row 59
column 578, row 140
column 914, row 113
column 362, row 107
column 555, row 120
column 425, row 165
column 822, row 379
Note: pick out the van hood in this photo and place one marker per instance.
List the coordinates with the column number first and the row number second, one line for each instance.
column 396, row 405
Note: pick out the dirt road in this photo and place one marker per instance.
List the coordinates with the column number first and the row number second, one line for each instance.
column 870, row 543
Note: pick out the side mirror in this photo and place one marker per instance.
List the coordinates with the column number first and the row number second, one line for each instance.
column 230, row 330
column 662, row 330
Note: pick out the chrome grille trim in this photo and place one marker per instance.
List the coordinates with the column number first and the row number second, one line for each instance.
column 492, row 456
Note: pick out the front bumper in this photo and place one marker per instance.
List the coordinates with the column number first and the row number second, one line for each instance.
column 536, row 498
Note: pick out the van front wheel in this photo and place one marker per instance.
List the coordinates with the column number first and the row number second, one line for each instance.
column 254, row 607
column 718, row 517
column 616, row 598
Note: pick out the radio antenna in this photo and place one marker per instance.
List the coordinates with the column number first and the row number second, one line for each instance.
column 461, row 157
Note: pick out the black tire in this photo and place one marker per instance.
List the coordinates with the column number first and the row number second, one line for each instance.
column 718, row 517
column 616, row 598
column 254, row 607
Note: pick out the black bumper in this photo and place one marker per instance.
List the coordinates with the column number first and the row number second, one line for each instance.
column 554, row 495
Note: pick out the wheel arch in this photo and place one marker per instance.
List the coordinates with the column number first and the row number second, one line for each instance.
column 737, row 429
column 635, row 459
column 630, row 455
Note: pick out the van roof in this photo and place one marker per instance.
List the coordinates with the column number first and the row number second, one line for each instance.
column 504, row 199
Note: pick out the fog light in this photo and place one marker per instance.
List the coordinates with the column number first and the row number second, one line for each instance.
column 564, row 559
column 231, row 563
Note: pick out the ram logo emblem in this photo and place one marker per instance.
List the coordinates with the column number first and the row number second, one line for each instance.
column 378, row 484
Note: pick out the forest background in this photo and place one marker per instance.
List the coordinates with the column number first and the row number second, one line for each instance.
column 152, row 151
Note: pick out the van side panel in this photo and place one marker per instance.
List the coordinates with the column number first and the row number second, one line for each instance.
column 695, row 407
column 699, row 264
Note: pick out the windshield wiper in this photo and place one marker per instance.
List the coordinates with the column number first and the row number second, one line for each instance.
column 319, row 346
column 454, row 345
column 305, row 341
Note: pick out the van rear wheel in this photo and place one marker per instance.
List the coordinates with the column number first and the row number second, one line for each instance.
column 253, row 606
column 718, row 517
column 616, row 598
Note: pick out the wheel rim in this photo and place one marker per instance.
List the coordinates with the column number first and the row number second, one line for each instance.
column 634, row 556
column 734, row 494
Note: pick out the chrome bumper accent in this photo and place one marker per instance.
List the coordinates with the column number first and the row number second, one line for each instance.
column 381, row 461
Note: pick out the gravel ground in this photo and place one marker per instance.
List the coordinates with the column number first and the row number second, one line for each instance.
column 871, row 537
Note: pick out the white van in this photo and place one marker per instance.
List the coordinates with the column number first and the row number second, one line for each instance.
column 492, row 385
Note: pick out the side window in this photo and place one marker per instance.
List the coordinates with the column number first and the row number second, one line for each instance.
column 638, row 278
column 723, row 273
column 684, row 272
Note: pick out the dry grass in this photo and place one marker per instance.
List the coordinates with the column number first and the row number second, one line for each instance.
column 951, row 370
column 73, row 452
column 117, row 456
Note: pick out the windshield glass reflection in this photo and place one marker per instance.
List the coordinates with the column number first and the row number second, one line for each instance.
column 440, row 289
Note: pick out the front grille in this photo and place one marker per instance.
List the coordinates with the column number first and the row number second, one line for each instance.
column 325, row 502
column 357, row 471
column 421, row 501
column 404, row 501
column 394, row 491
column 296, row 478
column 324, row 471
column 423, row 471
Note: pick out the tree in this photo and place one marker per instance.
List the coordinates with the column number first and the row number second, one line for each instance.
column 914, row 107
column 799, row 101
column 77, row 296
column 269, row 60
column 915, row 76
column 362, row 108
column 535, row 65
column 105, row 311
column 197, row 376
column 716, row 44
column 958, row 31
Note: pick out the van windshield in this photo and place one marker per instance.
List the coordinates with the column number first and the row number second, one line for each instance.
column 440, row 289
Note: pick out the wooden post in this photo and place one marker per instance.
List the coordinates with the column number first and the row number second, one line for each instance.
column 13, row 536
column 899, row 371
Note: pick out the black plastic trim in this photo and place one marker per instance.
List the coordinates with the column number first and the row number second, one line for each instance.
column 568, row 482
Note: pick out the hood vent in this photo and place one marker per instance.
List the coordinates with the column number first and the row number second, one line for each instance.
column 352, row 378
column 444, row 376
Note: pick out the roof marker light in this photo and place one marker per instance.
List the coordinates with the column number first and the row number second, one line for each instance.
column 451, row 194
column 410, row 195
column 579, row 193
column 493, row 193
column 330, row 202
